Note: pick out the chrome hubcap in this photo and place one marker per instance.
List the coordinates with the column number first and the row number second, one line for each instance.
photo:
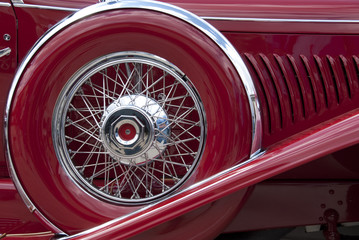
column 135, row 129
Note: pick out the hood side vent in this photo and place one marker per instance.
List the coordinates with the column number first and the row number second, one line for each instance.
column 296, row 89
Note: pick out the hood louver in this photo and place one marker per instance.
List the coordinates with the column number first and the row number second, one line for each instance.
column 296, row 90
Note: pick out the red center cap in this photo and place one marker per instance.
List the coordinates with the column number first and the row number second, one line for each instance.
column 127, row 132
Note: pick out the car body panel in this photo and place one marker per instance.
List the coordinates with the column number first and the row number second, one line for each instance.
column 303, row 59
column 8, row 63
column 15, row 217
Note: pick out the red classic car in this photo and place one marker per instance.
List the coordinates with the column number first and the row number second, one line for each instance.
column 179, row 120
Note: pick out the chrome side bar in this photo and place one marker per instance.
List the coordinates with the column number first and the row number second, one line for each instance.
column 316, row 142
column 5, row 52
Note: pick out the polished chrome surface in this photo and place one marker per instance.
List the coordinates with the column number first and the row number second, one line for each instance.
column 5, row 52
column 7, row 37
column 24, row 5
column 5, row 4
column 129, row 127
column 289, row 20
column 17, row 1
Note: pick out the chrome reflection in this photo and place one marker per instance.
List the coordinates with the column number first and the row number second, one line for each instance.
column 135, row 129
column 129, row 127
column 5, row 52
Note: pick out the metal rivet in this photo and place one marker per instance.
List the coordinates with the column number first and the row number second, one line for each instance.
column 7, row 37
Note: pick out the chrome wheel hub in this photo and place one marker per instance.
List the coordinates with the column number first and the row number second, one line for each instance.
column 128, row 129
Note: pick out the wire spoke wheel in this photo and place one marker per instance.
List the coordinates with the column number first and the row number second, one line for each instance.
column 129, row 127
column 106, row 117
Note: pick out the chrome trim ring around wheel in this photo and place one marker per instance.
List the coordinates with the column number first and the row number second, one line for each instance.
column 129, row 127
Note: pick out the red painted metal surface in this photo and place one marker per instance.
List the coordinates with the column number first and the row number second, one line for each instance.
column 284, row 198
column 215, row 79
column 336, row 134
column 15, row 218
column 248, row 11
column 340, row 165
column 38, row 236
column 32, row 24
column 37, row 21
column 317, row 9
column 8, row 65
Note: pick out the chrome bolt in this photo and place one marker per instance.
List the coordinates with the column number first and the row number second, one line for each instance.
column 161, row 96
column 7, row 37
column 122, row 144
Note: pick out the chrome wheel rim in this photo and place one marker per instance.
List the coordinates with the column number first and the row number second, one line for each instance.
column 129, row 128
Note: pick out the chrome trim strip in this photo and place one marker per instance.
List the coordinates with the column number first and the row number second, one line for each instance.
column 165, row 8
column 5, row 52
column 279, row 20
column 17, row 1
column 22, row 5
column 2, row 4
